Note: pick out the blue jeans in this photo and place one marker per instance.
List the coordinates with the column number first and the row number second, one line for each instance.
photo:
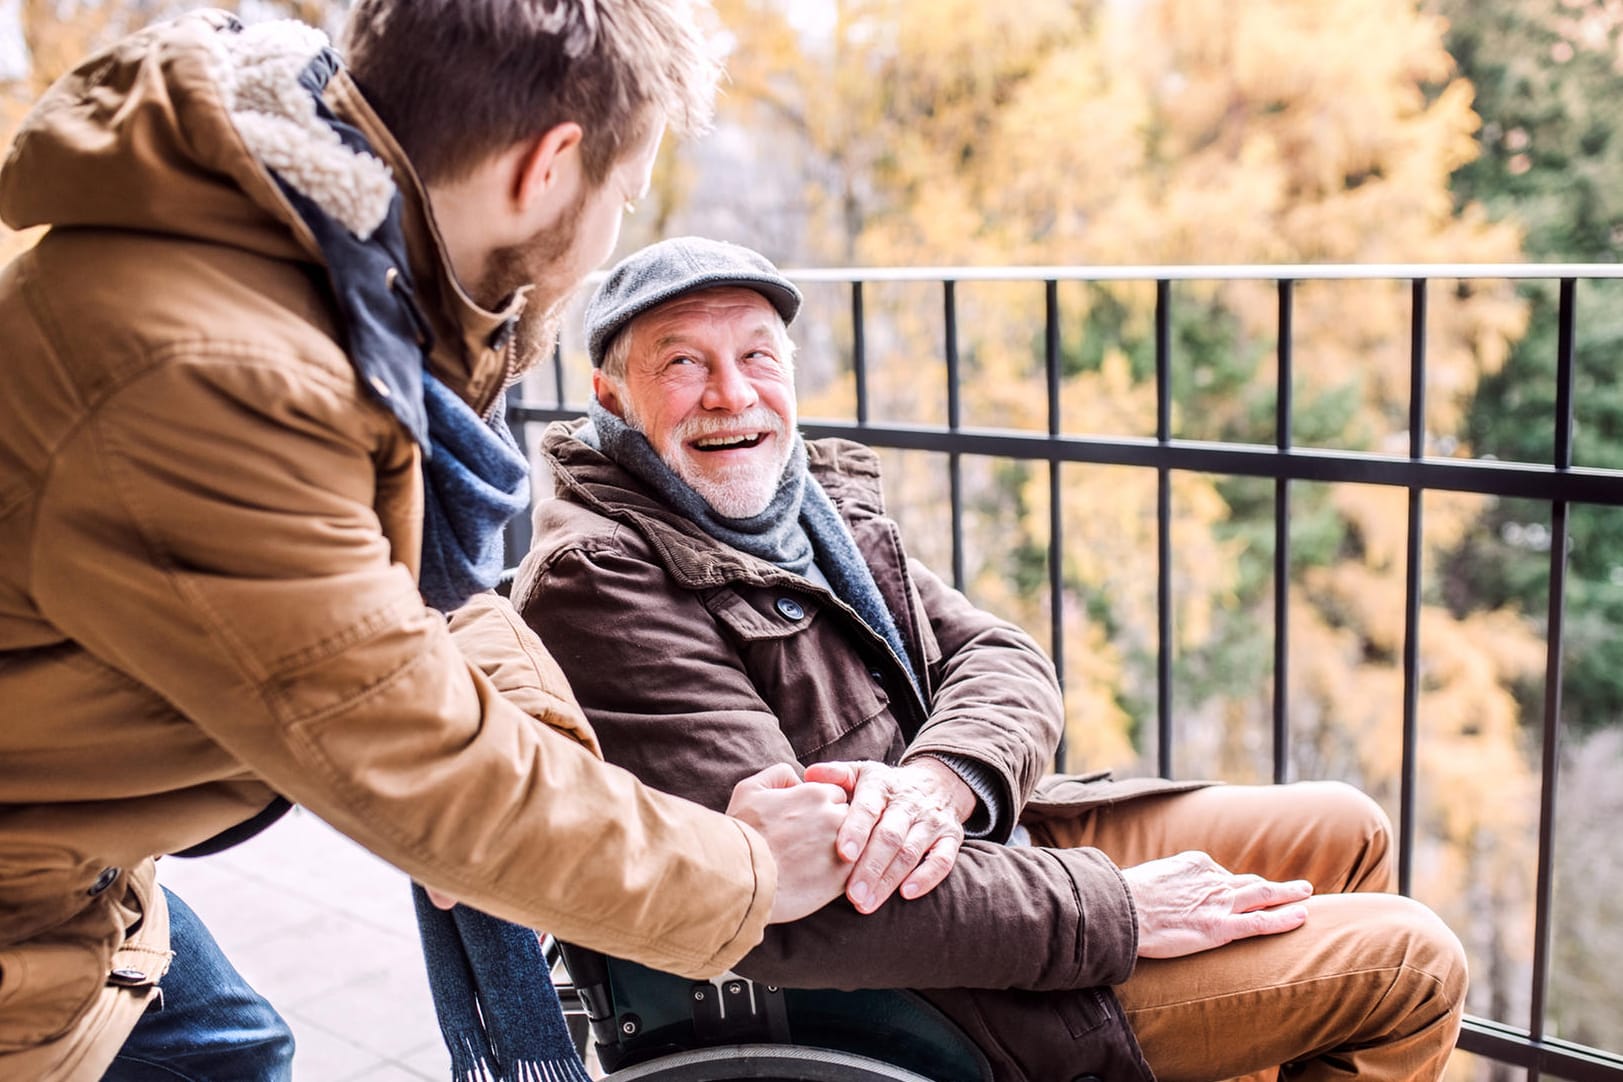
column 210, row 1026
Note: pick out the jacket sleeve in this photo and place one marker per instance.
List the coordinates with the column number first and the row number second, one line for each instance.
column 210, row 532
column 667, row 691
column 491, row 636
column 995, row 699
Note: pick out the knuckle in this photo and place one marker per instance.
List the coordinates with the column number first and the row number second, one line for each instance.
column 889, row 836
column 869, row 809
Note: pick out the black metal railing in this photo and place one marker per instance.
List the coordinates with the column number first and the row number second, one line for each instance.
column 1559, row 484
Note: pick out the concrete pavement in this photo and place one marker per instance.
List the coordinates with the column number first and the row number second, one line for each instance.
column 326, row 932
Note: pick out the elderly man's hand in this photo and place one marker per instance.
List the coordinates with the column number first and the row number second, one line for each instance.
column 1190, row 903
column 799, row 821
column 905, row 825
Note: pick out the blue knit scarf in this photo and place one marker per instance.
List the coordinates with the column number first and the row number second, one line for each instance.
column 800, row 526
column 474, row 479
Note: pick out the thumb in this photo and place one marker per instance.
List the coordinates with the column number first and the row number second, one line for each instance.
column 842, row 774
column 776, row 776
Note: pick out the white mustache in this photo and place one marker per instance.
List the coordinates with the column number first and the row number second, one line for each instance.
column 754, row 419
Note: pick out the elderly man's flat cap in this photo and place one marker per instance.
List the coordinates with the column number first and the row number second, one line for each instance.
column 662, row 272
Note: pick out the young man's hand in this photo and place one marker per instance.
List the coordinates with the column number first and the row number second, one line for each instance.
column 799, row 821
column 1190, row 903
column 904, row 829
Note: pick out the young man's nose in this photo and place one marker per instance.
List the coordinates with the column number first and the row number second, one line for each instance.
column 728, row 389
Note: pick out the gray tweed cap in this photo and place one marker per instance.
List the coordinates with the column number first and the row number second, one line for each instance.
column 662, row 272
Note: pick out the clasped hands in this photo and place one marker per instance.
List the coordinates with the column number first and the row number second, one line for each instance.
column 893, row 827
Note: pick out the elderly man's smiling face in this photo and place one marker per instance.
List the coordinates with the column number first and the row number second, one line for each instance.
column 709, row 380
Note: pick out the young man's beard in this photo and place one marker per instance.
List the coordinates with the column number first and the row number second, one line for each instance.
column 536, row 265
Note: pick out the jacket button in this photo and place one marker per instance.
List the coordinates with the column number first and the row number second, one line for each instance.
column 127, row 978
column 790, row 608
column 103, row 881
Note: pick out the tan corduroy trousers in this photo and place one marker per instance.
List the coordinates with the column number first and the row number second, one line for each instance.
column 1371, row 987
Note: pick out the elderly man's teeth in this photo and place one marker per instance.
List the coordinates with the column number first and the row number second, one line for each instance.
column 712, row 443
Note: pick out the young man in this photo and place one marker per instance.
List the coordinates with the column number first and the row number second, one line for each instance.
column 723, row 595
column 246, row 386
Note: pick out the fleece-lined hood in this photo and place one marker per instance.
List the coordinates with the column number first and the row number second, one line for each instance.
column 171, row 131
column 187, row 128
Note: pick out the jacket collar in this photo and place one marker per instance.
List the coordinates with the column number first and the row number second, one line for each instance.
column 471, row 344
column 848, row 472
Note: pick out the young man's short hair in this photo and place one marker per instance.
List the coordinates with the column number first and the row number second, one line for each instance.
column 458, row 81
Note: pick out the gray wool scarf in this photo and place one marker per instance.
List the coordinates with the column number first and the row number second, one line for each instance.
column 798, row 528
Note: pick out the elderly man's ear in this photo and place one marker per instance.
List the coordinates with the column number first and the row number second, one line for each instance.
column 607, row 394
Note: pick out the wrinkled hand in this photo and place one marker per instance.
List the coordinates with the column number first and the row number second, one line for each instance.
column 799, row 821
column 1190, row 903
column 905, row 826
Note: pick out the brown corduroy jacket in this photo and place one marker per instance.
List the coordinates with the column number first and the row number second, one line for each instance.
column 698, row 664
column 209, row 540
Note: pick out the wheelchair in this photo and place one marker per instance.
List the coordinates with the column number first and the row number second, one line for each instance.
column 649, row 1026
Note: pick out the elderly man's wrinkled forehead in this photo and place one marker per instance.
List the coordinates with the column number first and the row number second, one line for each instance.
column 702, row 320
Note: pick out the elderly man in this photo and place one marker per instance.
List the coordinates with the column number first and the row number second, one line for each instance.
column 245, row 473
column 723, row 595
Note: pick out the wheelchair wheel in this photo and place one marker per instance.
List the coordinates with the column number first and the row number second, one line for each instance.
column 765, row 1063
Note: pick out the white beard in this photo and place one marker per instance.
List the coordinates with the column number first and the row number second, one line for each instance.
column 743, row 489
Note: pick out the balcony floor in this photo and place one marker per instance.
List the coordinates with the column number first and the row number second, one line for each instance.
column 326, row 932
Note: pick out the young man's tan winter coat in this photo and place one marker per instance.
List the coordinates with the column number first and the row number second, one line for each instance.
column 209, row 537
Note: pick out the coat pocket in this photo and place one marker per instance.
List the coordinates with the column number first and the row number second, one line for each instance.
column 49, row 982
column 46, row 987
column 801, row 661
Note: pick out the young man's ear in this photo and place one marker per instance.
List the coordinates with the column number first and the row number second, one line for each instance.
column 547, row 169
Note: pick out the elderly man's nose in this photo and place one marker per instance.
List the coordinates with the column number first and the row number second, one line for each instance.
column 728, row 389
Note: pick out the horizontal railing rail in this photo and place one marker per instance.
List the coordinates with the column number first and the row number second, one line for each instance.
column 1559, row 484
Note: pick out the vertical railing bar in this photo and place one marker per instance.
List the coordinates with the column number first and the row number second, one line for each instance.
column 1551, row 737
column 1056, row 521
column 1411, row 592
column 955, row 472
column 1163, row 526
column 516, row 532
column 558, row 397
column 1051, row 358
column 1285, row 377
column 859, row 352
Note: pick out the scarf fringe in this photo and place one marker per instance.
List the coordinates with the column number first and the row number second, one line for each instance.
column 469, row 1064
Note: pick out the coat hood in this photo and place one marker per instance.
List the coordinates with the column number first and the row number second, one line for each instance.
column 173, row 130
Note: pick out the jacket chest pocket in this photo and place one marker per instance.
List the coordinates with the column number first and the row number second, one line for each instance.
column 830, row 702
